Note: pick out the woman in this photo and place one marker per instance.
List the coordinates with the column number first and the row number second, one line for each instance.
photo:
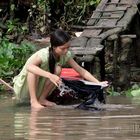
column 41, row 72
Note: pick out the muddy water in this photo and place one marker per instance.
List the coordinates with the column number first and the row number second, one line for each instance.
column 119, row 121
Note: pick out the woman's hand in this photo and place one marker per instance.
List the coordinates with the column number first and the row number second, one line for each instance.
column 104, row 83
column 55, row 79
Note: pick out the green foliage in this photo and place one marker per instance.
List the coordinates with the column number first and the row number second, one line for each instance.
column 14, row 25
column 13, row 57
column 77, row 12
column 38, row 13
column 134, row 91
column 112, row 92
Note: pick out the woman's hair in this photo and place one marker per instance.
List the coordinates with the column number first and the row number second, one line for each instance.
column 57, row 38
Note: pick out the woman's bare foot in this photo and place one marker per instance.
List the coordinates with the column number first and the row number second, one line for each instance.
column 45, row 102
column 36, row 105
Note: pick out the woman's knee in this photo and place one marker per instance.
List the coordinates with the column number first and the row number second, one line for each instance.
column 32, row 78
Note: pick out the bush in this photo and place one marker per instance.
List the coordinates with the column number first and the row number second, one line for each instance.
column 13, row 57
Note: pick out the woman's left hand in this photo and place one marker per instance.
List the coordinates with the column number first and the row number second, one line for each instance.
column 104, row 83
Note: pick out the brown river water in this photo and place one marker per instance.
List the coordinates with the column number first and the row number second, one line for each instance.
column 120, row 120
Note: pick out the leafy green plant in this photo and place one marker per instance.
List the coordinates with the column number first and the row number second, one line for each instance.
column 13, row 57
column 134, row 91
column 77, row 12
column 112, row 92
column 70, row 12
column 38, row 16
column 15, row 26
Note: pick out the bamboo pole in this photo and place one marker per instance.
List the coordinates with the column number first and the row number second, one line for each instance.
column 6, row 84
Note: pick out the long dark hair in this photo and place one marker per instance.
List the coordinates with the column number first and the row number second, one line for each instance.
column 57, row 38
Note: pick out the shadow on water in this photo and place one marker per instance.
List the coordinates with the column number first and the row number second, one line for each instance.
column 120, row 119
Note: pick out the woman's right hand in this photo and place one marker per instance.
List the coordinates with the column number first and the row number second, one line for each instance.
column 55, row 79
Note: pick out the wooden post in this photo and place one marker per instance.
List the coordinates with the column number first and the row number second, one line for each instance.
column 114, row 38
column 124, row 61
column 6, row 84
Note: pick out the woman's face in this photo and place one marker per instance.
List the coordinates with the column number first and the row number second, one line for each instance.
column 62, row 50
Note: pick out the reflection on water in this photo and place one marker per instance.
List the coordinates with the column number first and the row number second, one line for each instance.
column 120, row 119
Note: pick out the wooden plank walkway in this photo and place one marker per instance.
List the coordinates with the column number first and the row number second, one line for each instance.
column 110, row 16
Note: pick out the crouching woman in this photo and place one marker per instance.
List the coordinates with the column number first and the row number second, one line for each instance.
column 41, row 73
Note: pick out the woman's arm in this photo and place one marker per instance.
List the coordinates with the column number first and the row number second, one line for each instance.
column 34, row 68
column 84, row 73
